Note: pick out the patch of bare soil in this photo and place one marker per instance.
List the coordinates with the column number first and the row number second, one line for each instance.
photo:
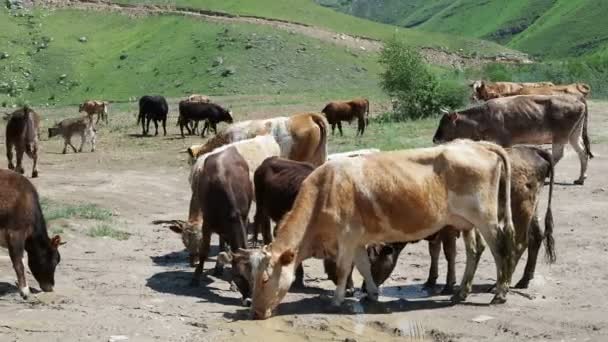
column 433, row 55
column 139, row 288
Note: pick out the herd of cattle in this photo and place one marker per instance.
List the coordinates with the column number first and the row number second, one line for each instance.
column 355, row 209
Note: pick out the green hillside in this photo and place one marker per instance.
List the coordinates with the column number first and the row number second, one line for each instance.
column 552, row 28
column 125, row 57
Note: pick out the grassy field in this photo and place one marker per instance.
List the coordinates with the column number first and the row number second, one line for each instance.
column 126, row 57
column 548, row 28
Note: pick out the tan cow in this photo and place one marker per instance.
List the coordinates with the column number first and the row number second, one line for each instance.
column 302, row 137
column 484, row 91
column 198, row 98
column 568, row 89
column 407, row 195
column 92, row 107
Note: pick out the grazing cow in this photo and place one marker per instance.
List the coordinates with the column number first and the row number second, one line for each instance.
column 351, row 154
column 255, row 151
column 580, row 89
column 525, row 119
column 198, row 98
column 530, row 167
column 302, row 137
column 484, row 91
column 152, row 108
column 22, row 134
column 197, row 111
column 277, row 182
column 225, row 194
column 22, row 228
column 82, row 126
column 336, row 112
column 407, row 195
column 99, row 108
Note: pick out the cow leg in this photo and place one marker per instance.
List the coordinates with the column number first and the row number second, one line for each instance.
column 500, row 243
column 469, row 270
column 202, row 256
column 535, row 240
column 214, row 126
column 82, row 140
column 20, row 151
column 299, row 282
column 9, row 155
column 576, row 141
column 205, row 128
column 218, row 270
column 70, row 144
column 148, row 125
column 332, row 274
column 340, row 128
column 34, row 155
column 448, row 238
column 333, row 128
column 434, row 250
column 344, row 265
column 156, row 127
column 361, row 125
column 93, row 137
column 143, row 125
column 557, row 151
column 364, row 267
column 16, row 248
column 165, row 127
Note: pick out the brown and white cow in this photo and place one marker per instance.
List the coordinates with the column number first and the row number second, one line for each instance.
column 22, row 135
column 198, row 98
column 524, row 119
column 483, row 90
column 302, row 137
column 568, row 89
column 23, row 228
column 336, row 112
column 407, row 195
column 92, row 107
column 530, row 167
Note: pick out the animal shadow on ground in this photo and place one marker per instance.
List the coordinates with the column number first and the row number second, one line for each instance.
column 139, row 135
column 563, row 184
column 178, row 283
column 6, row 288
column 171, row 259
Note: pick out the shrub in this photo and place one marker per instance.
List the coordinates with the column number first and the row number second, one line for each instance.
column 416, row 90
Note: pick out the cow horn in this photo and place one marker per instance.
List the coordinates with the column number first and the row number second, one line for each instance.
column 444, row 110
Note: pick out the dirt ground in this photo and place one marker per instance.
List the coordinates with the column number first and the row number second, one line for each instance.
column 138, row 289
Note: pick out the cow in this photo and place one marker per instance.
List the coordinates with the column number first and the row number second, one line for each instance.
column 82, row 126
column 255, row 151
column 92, row 107
column 197, row 111
column 198, row 98
column 530, row 167
column 23, row 228
column 302, row 137
column 484, row 91
column 152, row 108
column 396, row 196
column 350, row 154
column 225, row 194
column 524, row 119
column 581, row 89
column 277, row 182
column 22, row 135
column 336, row 112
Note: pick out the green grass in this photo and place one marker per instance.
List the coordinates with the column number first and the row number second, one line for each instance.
column 105, row 230
column 53, row 210
column 547, row 28
column 168, row 55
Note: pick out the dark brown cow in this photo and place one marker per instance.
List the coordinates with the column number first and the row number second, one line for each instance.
column 530, row 167
column 525, row 119
column 22, row 228
column 22, row 135
column 277, row 182
column 225, row 195
column 336, row 112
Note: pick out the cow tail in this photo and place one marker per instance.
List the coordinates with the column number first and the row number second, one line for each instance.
column 322, row 147
column 105, row 112
column 367, row 112
column 548, row 236
column 30, row 129
column 586, row 141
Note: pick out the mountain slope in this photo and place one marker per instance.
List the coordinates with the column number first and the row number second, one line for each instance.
column 552, row 28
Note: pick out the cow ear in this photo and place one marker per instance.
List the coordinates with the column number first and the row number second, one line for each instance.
column 56, row 241
column 453, row 116
column 287, row 257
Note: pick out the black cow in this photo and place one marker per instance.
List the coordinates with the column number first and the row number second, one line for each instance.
column 197, row 111
column 152, row 108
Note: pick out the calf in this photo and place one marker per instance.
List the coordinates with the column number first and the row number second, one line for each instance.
column 336, row 112
column 99, row 108
column 225, row 195
column 396, row 196
column 579, row 89
column 22, row 135
column 277, row 182
column 22, row 228
column 196, row 111
column 530, row 167
column 82, row 126
column 152, row 108
column 525, row 119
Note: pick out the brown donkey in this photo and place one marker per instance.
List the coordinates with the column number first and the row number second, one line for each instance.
column 22, row 134
column 22, row 228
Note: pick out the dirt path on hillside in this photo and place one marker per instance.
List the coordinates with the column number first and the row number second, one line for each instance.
column 432, row 55
column 109, row 290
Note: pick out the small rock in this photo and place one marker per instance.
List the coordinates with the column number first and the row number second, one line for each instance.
column 218, row 61
column 116, row 338
column 482, row 318
column 63, row 76
column 83, row 39
column 4, row 55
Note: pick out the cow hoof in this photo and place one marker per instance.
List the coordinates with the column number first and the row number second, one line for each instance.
column 24, row 292
column 429, row 285
column 246, row 302
column 499, row 299
column 522, row 284
column 218, row 272
column 458, row 298
column 11, row 166
column 63, row 152
column 448, row 290
column 491, row 289
column 34, row 174
column 349, row 293
column 579, row 182
column 20, row 170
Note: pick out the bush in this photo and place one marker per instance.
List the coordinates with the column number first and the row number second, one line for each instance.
column 416, row 90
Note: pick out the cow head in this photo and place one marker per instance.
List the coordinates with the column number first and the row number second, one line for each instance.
column 383, row 258
column 228, row 116
column 191, row 237
column 454, row 126
column 42, row 262
column 53, row 131
column 80, row 108
column 194, row 152
column 242, row 273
